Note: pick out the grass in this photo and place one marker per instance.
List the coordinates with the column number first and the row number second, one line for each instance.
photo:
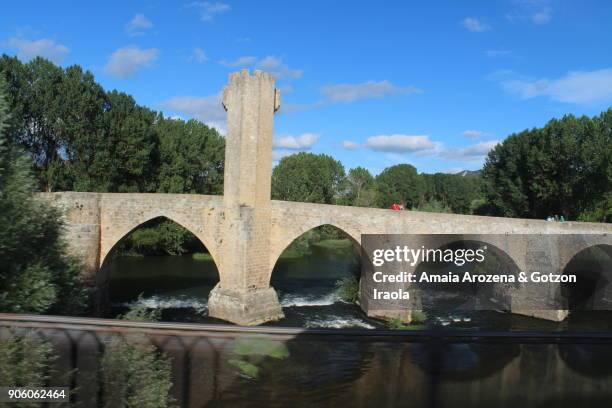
column 418, row 318
column 334, row 243
column 202, row 256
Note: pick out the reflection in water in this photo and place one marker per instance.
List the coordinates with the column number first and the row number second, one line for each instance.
column 463, row 361
column 592, row 360
column 306, row 370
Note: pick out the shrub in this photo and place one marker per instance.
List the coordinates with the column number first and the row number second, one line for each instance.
column 140, row 313
column 134, row 373
column 25, row 360
column 36, row 275
column 347, row 289
column 418, row 318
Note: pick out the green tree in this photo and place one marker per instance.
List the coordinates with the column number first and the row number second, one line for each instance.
column 127, row 148
column 159, row 236
column 83, row 138
column 434, row 206
column 454, row 192
column 400, row 184
column 34, row 90
column 35, row 274
column 563, row 168
column 359, row 188
column 309, row 178
column 192, row 157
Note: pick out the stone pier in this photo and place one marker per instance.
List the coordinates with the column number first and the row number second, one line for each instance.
column 243, row 294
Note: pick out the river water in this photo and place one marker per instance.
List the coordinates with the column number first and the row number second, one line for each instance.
column 306, row 286
column 367, row 371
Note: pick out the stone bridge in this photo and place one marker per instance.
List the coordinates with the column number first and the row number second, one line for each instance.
column 245, row 231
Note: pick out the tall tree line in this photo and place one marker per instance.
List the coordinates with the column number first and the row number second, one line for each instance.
column 84, row 138
column 320, row 178
column 563, row 168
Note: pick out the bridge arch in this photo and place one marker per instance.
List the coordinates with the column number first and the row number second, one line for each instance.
column 471, row 296
column 572, row 248
column 285, row 235
column 313, row 265
column 592, row 265
column 156, row 278
column 112, row 234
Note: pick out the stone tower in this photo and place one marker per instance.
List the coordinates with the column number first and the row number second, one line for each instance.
column 243, row 294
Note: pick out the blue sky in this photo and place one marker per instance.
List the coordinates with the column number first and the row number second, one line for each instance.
column 433, row 84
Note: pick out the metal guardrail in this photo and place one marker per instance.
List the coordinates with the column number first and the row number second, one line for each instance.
column 226, row 330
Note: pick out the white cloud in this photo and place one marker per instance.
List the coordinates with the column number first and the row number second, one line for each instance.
column 498, row 53
column 475, row 152
column 277, row 68
column 138, row 25
column 207, row 109
column 350, row 145
column 302, row 142
column 239, row 62
column 453, row 170
column 287, row 145
column 271, row 64
column 208, row 10
column 198, row 55
column 500, row 75
column 473, row 134
column 46, row 48
column 126, row 62
column 542, row 16
column 286, row 89
column 287, row 107
column 400, row 143
column 537, row 12
column 365, row 90
column 578, row 87
column 278, row 155
column 395, row 147
column 475, row 25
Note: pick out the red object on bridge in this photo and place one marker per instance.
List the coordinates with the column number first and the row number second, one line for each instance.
column 396, row 207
